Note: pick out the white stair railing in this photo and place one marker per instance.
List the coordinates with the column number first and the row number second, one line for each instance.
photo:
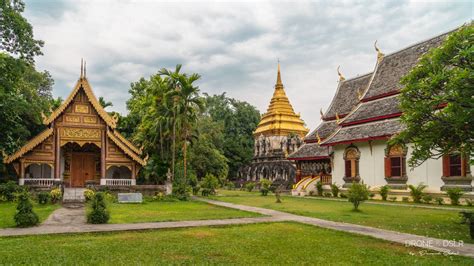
column 117, row 182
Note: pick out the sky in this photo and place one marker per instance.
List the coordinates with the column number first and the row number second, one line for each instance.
column 234, row 46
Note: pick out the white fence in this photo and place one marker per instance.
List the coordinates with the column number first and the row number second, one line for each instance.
column 40, row 182
column 117, row 182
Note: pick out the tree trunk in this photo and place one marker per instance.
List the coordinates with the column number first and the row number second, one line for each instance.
column 174, row 145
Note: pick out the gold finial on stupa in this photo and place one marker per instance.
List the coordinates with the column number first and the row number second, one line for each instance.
column 380, row 55
column 278, row 82
column 341, row 78
column 82, row 68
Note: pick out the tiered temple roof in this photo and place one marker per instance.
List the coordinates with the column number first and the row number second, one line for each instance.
column 376, row 116
column 280, row 118
column 345, row 99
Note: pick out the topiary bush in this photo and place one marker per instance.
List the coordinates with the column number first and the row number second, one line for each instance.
column 357, row 193
column 417, row 192
column 454, row 195
column 319, row 188
column 99, row 213
column 249, row 186
column 384, row 192
column 265, row 186
column 25, row 216
column 209, row 184
column 335, row 190
column 43, row 197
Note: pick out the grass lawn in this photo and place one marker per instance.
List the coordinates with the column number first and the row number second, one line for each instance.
column 443, row 224
column 172, row 211
column 8, row 210
column 272, row 243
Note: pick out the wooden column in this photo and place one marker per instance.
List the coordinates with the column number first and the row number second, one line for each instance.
column 57, row 154
column 103, row 151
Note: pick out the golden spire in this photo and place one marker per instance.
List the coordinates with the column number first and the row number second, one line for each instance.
column 82, row 68
column 341, row 78
column 280, row 118
column 380, row 55
column 278, row 82
column 85, row 64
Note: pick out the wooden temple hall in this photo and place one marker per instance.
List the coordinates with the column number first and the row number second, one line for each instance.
column 79, row 147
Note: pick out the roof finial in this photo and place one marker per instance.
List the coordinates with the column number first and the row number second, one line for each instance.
column 341, row 78
column 279, row 83
column 338, row 120
column 380, row 55
column 82, row 68
column 321, row 113
column 359, row 94
column 85, row 64
column 318, row 137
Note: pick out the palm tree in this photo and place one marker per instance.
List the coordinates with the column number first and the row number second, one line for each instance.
column 103, row 103
column 185, row 105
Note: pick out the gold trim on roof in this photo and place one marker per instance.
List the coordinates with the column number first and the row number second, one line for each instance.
column 84, row 84
column 29, row 146
column 125, row 148
column 127, row 142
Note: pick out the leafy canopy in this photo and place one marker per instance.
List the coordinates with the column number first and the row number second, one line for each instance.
column 438, row 100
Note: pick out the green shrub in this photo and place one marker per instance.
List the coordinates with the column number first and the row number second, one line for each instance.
column 417, row 192
column 319, row 188
column 25, row 216
column 209, row 185
column 55, row 195
column 89, row 194
column 357, row 193
column 343, row 195
column 43, row 197
column 230, row 186
column 327, row 194
column 371, row 195
column 181, row 191
column 427, row 199
column 384, row 192
column 468, row 202
column 405, row 199
column 249, row 186
column 9, row 190
column 99, row 213
column 440, row 201
column 196, row 189
column 392, row 199
column 335, row 190
column 454, row 195
column 265, row 186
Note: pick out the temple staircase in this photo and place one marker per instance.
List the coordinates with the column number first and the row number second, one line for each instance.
column 74, row 195
column 304, row 186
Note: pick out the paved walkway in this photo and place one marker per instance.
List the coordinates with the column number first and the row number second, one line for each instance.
column 72, row 220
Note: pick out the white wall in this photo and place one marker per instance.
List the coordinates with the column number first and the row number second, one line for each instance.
column 372, row 170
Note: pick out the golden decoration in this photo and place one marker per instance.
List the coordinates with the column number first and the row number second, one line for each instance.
column 90, row 119
column 319, row 138
column 359, row 94
column 341, row 78
column 125, row 148
column 72, row 119
column 80, row 133
column 128, row 143
column 338, row 120
column 80, row 108
column 380, row 55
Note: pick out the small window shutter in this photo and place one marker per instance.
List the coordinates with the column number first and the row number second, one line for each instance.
column 387, row 167
column 463, row 165
column 446, row 165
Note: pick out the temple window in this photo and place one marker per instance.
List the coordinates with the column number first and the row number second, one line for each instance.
column 395, row 161
column 351, row 158
column 454, row 165
column 38, row 171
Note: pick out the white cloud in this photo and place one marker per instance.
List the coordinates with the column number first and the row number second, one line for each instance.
column 234, row 46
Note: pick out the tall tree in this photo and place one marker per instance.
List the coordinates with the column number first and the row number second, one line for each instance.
column 16, row 34
column 438, row 100
column 104, row 103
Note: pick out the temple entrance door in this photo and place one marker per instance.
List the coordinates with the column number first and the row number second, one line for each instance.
column 82, row 169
